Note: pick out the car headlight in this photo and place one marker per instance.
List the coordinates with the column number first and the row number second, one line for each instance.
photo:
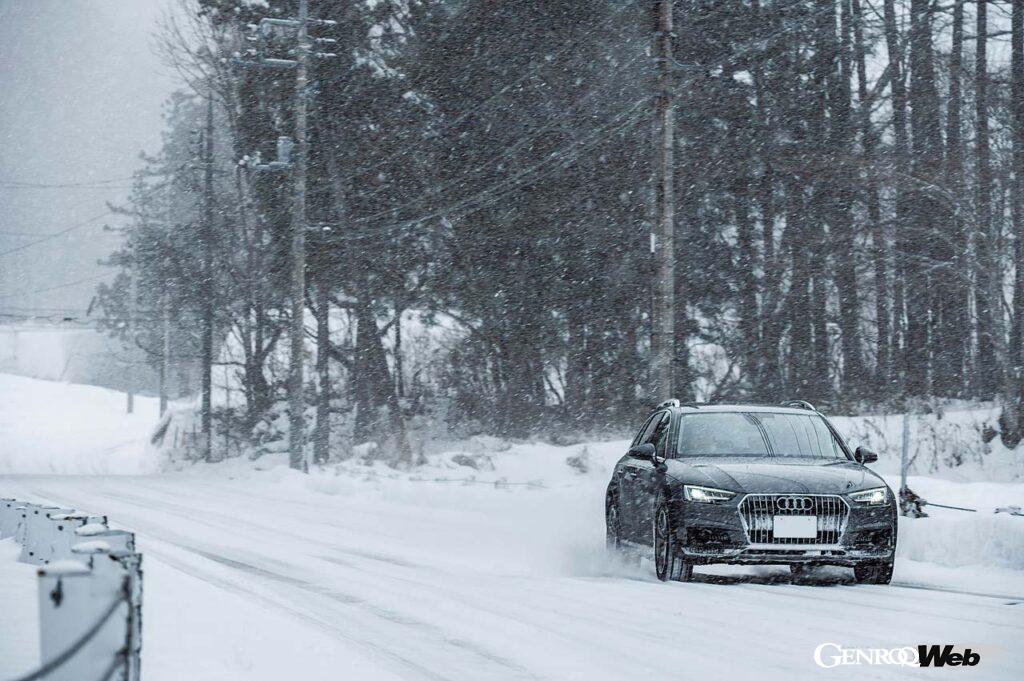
column 706, row 495
column 871, row 497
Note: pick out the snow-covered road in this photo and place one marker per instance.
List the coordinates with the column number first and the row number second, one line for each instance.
column 364, row 573
column 415, row 580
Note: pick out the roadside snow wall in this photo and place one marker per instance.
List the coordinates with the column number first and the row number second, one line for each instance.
column 948, row 444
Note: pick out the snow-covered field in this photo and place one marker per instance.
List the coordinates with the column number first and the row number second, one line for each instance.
column 50, row 427
column 451, row 572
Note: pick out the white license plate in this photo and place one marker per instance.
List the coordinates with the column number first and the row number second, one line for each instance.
column 795, row 526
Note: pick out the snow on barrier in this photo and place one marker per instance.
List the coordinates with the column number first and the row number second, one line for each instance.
column 90, row 592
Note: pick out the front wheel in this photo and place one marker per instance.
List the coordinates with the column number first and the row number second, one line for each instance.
column 873, row 573
column 612, row 526
column 669, row 563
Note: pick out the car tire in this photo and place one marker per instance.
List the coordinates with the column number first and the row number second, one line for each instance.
column 612, row 526
column 873, row 573
column 669, row 563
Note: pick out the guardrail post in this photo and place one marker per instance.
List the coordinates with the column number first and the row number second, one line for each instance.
column 132, row 564
column 9, row 517
column 42, row 531
column 63, row 533
column 74, row 599
column 36, row 534
column 90, row 591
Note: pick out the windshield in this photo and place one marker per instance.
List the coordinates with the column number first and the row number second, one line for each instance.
column 757, row 434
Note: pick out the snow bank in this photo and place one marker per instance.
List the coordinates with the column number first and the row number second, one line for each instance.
column 959, row 538
column 994, row 540
column 948, row 443
column 50, row 427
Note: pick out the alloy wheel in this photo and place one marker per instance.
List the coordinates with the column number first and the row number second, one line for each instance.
column 662, row 545
column 612, row 529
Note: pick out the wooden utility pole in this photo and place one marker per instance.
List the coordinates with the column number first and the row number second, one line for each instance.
column 322, row 428
column 132, row 314
column 296, row 399
column 207, row 340
column 662, row 236
column 165, row 355
column 297, row 289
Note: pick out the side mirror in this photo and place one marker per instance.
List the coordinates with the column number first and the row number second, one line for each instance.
column 865, row 455
column 645, row 451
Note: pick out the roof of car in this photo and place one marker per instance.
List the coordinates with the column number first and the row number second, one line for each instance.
column 714, row 408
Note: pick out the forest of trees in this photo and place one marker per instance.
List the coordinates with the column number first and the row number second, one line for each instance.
column 849, row 211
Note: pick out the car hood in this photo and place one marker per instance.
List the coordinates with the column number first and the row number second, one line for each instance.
column 775, row 475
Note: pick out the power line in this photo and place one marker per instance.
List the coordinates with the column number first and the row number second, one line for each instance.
column 458, row 120
column 28, row 234
column 34, row 309
column 499, row 191
column 509, row 185
column 72, row 228
column 502, row 189
column 62, row 185
column 498, row 159
column 104, row 187
column 83, row 280
column 54, row 235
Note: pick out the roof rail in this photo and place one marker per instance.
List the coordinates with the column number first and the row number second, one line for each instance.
column 799, row 404
column 668, row 403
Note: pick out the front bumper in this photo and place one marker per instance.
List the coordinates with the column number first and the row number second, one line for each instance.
column 717, row 533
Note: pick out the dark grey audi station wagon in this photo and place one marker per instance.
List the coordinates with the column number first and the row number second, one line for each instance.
column 750, row 484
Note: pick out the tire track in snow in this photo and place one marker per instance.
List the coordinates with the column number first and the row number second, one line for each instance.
column 883, row 603
column 597, row 624
column 232, row 522
column 615, row 626
column 148, row 530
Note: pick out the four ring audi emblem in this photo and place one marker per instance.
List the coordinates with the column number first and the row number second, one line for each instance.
column 794, row 503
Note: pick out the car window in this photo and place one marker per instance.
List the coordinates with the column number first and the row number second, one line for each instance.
column 652, row 428
column 659, row 436
column 800, row 435
column 720, row 434
column 642, row 432
column 756, row 434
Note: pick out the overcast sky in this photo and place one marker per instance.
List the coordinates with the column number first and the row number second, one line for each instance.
column 80, row 97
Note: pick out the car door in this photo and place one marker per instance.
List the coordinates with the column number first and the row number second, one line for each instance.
column 634, row 482
column 625, row 475
column 647, row 482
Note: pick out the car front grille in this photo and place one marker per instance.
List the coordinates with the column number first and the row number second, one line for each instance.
column 758, row 510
